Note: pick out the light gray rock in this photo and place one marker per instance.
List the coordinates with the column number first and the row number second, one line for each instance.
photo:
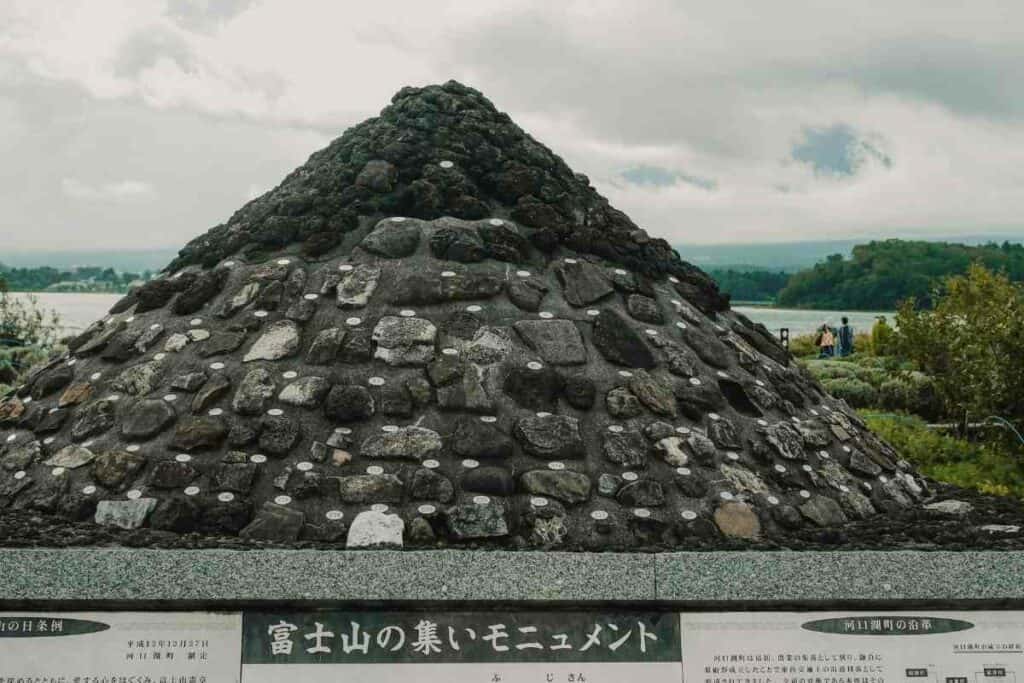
column 823, row 511
column 176, row 342
column 957, row 508
column 411, row 443
column 375, row 529
column 253, row 391
column 357, row 286
column 138, row 380
column 125, row 514
column 362, row 489
column 404, row 341
column 671, row 451
column 307, row 392
column 279, row 341
column 71, row 457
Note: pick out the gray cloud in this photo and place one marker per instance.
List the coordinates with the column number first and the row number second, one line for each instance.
column 837, row 150
column 656, row 176
column 205, row 15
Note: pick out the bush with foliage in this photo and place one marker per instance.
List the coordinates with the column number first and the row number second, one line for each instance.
column 28, row 334
column 883, row 338
column 856, row 392
column 971, row 343
column 988, row 467
column 912, row 392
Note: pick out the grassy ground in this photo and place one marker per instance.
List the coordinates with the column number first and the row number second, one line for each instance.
column 898, row 402
column 990, row 468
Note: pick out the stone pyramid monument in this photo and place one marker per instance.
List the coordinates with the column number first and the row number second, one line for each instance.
column 436, row 333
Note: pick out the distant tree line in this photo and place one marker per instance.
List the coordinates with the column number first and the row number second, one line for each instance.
column 878, row 275
column 750, row 285
column 87, row 278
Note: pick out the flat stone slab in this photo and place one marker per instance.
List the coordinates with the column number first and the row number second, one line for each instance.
column 739, row 579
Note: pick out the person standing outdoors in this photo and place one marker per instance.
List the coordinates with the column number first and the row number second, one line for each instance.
column 845, row 338
column 826, row 341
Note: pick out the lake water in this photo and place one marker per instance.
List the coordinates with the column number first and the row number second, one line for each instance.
column 801, row 321
column 77, row 311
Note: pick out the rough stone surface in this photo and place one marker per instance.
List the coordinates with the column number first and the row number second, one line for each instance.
column 437, row 295
column 371, row 529
column 279, row 341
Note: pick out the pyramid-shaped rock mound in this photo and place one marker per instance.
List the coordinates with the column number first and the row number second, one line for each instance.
column 434, row 332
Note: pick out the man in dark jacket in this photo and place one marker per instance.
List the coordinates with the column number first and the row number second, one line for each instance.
column 845, row 338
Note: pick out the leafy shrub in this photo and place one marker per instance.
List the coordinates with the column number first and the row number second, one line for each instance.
column 857, row 393
column 883, row 338
column 987, row 467
column 28, row 334
column 802, row 346
column 912, row 392
column 972, row 343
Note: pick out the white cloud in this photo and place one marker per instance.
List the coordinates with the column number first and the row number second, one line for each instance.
column 120, row 191
column 721, row 91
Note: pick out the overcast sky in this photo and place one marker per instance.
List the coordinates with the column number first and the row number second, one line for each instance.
column 141, row 123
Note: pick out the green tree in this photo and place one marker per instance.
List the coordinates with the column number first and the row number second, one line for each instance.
column 971, row 342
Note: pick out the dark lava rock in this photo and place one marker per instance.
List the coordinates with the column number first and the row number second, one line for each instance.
column 278, row 434
column 348, row 403
column 495, row 481
column 568, row 487
column 477, row 439
column 146, row 419
column 473, row 520
column 552, row 437
column 392, row 240
column 642, row 493
column 619, row 343
column 170, row 474
column 582, row 283
column 425, row 484
column 275, row 523
column 95, row 418
column 627, row 448
column 199, row 433
column 527, row 294
column 579, row 391
column 644, row 309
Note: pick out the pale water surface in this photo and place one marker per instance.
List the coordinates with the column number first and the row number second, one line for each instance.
column 77, row 311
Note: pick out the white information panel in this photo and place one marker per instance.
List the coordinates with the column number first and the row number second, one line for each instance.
column 120, row 647
column 853, row 647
